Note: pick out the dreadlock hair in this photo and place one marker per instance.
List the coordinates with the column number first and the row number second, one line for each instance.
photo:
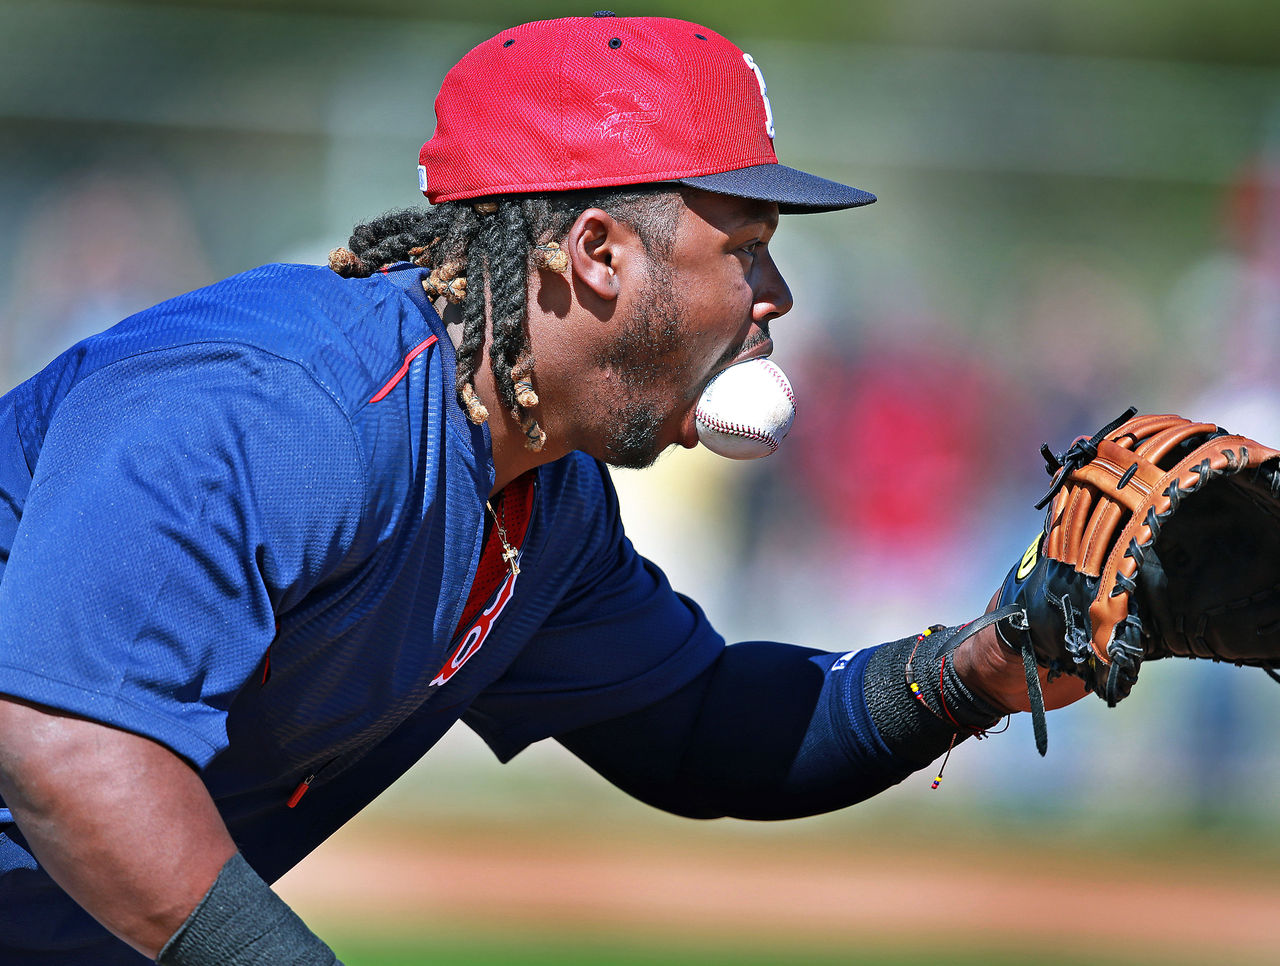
column 480, row 253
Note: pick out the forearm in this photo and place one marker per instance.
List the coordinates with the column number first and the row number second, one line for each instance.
column 776, row 731
column 173, row 886
column 74, row 785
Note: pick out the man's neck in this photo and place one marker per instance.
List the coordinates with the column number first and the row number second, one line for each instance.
column 511, row 454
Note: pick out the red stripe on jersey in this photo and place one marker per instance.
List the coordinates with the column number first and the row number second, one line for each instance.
column 514, row 510
column 493, row 576
column 403, row 371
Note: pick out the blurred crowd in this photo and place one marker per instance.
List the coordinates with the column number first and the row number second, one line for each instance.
column 94, row 248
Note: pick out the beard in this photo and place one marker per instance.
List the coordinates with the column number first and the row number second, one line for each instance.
column 633, row 444
column 647, row 359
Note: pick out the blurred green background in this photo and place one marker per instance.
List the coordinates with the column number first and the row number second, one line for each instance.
column 1073, row 195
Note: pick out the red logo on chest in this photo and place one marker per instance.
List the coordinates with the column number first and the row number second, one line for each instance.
column 474, row 639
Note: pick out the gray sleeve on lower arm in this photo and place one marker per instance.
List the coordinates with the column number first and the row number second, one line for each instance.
column 910, row 730
column 241, row 922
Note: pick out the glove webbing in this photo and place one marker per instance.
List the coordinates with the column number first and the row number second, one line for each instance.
column 1083, row 451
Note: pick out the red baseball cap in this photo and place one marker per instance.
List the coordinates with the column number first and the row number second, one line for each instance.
column 590, row 102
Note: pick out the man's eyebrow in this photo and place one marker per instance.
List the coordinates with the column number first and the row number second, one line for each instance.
column 761, row 216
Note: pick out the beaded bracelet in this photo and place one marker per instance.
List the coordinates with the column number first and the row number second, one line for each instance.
column 916, row 692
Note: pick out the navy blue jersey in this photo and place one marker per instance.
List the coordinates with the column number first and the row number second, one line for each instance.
column 244, row 523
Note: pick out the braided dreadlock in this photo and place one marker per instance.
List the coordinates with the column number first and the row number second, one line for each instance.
column 484, row 250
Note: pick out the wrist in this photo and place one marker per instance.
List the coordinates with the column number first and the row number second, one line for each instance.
column 918, row 701
column 992, row 671
column 241, row 922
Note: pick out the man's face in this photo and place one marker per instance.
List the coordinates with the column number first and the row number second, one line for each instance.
column 704, row 308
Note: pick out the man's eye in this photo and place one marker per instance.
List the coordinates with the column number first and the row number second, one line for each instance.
column 750, row 248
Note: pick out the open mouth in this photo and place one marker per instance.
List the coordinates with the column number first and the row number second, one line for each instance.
column 759, row 350
column 759, row 346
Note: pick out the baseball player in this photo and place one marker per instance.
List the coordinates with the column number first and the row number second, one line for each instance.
column 264, row 543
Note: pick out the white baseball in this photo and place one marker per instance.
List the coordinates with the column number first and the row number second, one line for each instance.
column 746, row 410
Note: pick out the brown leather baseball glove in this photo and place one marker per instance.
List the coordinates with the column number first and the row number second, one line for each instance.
column 1162, row 539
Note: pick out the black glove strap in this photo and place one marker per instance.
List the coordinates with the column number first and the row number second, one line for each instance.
column 1017, row 618
column 1034, row 694
column 241, row 922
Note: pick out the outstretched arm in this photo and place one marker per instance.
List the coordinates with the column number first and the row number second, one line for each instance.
column 778, row 731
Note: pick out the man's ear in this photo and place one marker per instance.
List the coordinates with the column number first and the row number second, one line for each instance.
column 598, row 244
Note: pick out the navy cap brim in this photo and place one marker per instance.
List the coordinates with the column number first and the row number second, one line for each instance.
column 796, row 192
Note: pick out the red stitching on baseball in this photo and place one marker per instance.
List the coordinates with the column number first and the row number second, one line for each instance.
column 719, row 425
column 781, row 380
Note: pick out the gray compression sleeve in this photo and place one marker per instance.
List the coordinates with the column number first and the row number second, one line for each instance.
column 913, row 732
column 241, row 922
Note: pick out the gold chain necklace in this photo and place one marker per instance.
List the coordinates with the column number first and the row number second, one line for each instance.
column 509, row 553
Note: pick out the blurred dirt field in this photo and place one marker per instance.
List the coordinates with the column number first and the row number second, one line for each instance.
column 399, row 891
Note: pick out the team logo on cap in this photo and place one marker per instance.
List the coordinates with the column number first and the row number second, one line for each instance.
column 628, row 118
column 764, row 94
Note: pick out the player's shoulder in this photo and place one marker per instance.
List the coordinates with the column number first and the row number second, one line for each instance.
column 326, row 293
column 344, row 337
column 345, row 333
column 299, row 311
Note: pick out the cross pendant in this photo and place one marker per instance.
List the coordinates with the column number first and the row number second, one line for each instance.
column 509, row 554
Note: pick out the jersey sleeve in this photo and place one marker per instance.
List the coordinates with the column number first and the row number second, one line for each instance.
column 180, row 500
column 620, row 640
